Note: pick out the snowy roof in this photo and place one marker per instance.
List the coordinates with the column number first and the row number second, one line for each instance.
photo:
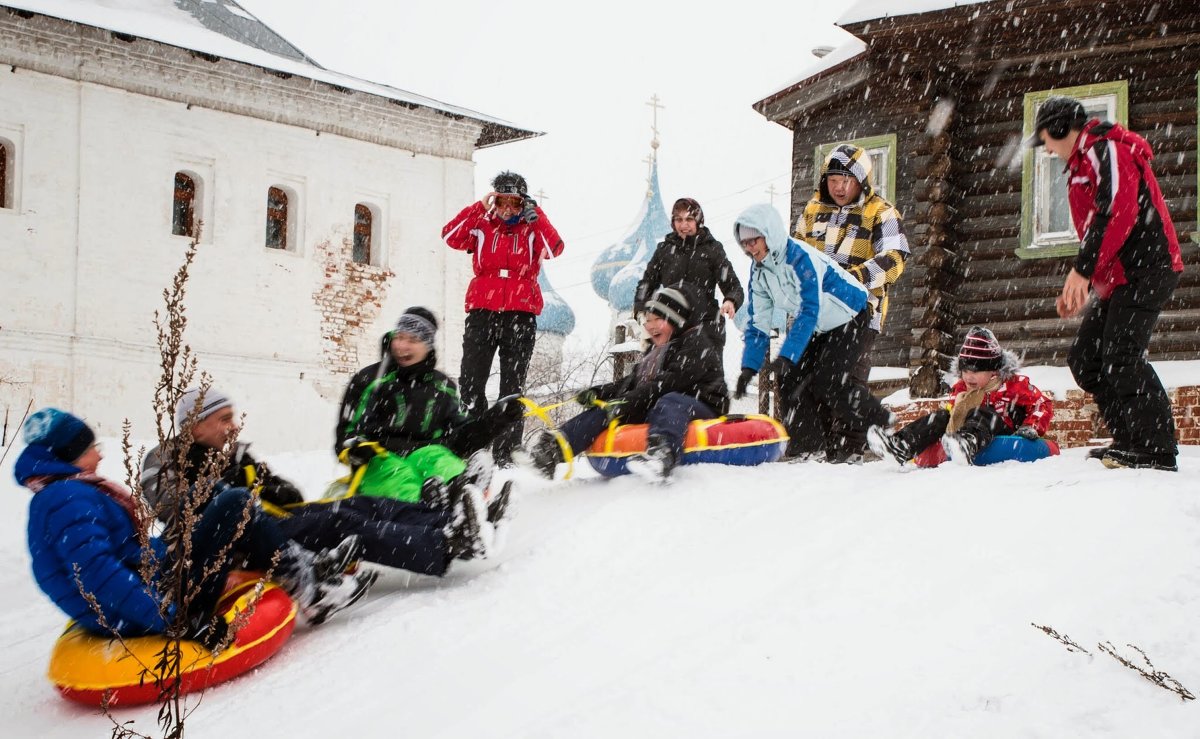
column 225, row 29
column 865, row 10
column 635, row 248
column 849, row 49
column 556, row 316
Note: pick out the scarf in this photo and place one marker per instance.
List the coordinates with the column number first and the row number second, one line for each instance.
column 967, row 402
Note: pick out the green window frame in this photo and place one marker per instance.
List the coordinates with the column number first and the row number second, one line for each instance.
column 1115, row 96
column 878, row 147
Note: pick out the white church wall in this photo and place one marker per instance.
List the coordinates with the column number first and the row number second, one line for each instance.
column 90, row 249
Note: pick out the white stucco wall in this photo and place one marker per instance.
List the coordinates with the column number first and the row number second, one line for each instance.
column 88, row 250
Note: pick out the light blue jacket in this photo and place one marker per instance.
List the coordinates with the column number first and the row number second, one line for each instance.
column 824, row 295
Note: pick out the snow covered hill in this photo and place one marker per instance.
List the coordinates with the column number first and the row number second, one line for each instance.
column 784, row 600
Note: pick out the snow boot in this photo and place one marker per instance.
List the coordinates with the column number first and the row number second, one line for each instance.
column 466, row 530
column 1099, row 452
column 656, row 463
column 333, row 597
column 330, row 564
column 1118, row 459
column 543, row 455
column 888, row 445
column 961, row 447
column 498, row 505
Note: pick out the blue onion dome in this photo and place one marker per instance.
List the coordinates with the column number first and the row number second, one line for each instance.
column 651, row 226
column 611, row 261
column 556, row 316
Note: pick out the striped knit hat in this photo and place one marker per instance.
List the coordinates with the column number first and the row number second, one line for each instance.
column 671, row 304
column 419, row 322
column 980, row 352
column 214, row 400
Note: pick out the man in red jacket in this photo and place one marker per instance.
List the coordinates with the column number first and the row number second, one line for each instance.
column 508, row 236
column 1129, row 256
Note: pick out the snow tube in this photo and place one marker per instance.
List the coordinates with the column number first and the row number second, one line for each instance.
column 84, row 665
column 736, row 440
column 1002, row 449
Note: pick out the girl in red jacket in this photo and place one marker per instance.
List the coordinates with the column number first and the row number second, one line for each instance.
column 989, row 399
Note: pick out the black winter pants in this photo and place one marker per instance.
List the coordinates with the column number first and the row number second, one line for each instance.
column 1108, row 360
column 841, row 440
column 822, row 385
column 393, row 533
column 512, row 334
column 983, row 423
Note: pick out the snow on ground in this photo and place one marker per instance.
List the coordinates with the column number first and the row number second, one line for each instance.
column 787, row 599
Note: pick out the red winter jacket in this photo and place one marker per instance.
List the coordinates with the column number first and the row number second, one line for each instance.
column 1118, row 209
column 1016, row 401
column 507, row 258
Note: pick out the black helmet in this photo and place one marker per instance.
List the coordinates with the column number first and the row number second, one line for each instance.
column 1058, row 115
column 509, row 183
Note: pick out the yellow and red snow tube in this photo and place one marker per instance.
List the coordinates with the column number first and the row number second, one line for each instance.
column 84, row 666
column 734, row 439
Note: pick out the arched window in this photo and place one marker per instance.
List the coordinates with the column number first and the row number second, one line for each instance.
column 5, row 153
column 363, row 221
column 277, row 218
column 183, row 209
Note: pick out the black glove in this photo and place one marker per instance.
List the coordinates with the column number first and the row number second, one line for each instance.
column 529, row 212
column 358, row 451
column 508, row 409
column 615, row 410
column 743, row 382
column 588, row 397
column 1027, row 432
column 207, row 630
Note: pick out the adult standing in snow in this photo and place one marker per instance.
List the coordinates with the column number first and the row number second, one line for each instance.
column 1129, row 257
column 861, row 231
column 830, row 318
column 508, row 236
column 690, row 254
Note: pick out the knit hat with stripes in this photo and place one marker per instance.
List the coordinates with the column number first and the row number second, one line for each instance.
column 213, row 401
column 671, row 304
column 980, row 351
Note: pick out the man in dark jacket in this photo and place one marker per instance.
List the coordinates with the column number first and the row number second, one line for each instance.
column 690, row 254
column 507, row 235
column 679, row 379
column 1129, row 257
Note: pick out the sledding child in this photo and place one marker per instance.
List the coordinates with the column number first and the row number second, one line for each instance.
column 213, row 422
column 678, row 379
column 989, row 399
column 402, row 418
column 85, row 537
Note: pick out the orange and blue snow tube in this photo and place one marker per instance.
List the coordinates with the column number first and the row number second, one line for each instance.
column 733, row 439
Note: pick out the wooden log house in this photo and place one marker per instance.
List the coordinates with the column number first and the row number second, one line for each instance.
column 942, row 99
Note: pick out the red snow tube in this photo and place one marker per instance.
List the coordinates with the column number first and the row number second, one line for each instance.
column 1002, row 449
column 734, row 439
column 84, row 666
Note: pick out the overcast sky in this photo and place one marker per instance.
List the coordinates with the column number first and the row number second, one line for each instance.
column 584, row 74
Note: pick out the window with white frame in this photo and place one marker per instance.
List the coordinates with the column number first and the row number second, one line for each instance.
column 881, row 149
column 1046, row 228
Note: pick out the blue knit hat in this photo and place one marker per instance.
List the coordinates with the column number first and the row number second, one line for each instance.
column 66, row 436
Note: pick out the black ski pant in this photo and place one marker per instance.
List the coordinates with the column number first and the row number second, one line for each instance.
column 822, row 385
column 982, row 423
column 1108, row 360
column 392, row 532
column 843, row 440
column 512, row 334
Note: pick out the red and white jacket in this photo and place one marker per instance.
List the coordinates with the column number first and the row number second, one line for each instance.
column 1016, row 401
column 1117, row 208
column 506, row 258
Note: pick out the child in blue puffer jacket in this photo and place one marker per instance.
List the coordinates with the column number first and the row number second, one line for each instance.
column 85, row 535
